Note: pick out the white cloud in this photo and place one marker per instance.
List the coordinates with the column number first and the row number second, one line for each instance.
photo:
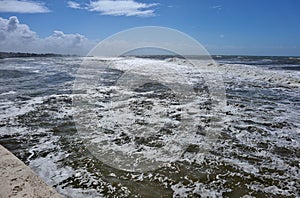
column 118, row 7
column 24, row 6
column 59, row 42
column 218, row 7
column 18, row 37
column 75, row 5
column 12, row 32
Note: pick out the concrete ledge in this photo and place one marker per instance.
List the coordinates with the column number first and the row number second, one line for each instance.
column 18, row 180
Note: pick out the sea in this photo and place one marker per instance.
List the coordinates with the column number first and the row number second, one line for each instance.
column 150, row 141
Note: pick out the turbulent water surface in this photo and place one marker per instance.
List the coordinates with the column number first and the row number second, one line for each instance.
column 254, row 150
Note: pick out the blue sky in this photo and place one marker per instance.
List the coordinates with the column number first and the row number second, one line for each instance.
column 252, row 27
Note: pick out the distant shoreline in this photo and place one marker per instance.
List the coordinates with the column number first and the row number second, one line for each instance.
column 24, row 55
column 159, row 56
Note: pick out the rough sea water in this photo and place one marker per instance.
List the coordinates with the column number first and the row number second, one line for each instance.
column 251, row 150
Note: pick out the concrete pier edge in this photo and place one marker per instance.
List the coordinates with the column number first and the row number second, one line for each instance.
column 18, row 180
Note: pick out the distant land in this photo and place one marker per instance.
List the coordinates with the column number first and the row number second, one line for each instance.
column 158, row 56
column 20, row 54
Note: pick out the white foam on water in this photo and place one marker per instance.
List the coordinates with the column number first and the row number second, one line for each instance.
column 196, row 189
column 11, row 109
column 249, row 168
column 281, row 78
column 118, row 115
column 275, row 124
column 7, row 130
column 8, row 93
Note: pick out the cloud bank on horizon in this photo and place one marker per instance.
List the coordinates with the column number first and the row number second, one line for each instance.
column 17, row 37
